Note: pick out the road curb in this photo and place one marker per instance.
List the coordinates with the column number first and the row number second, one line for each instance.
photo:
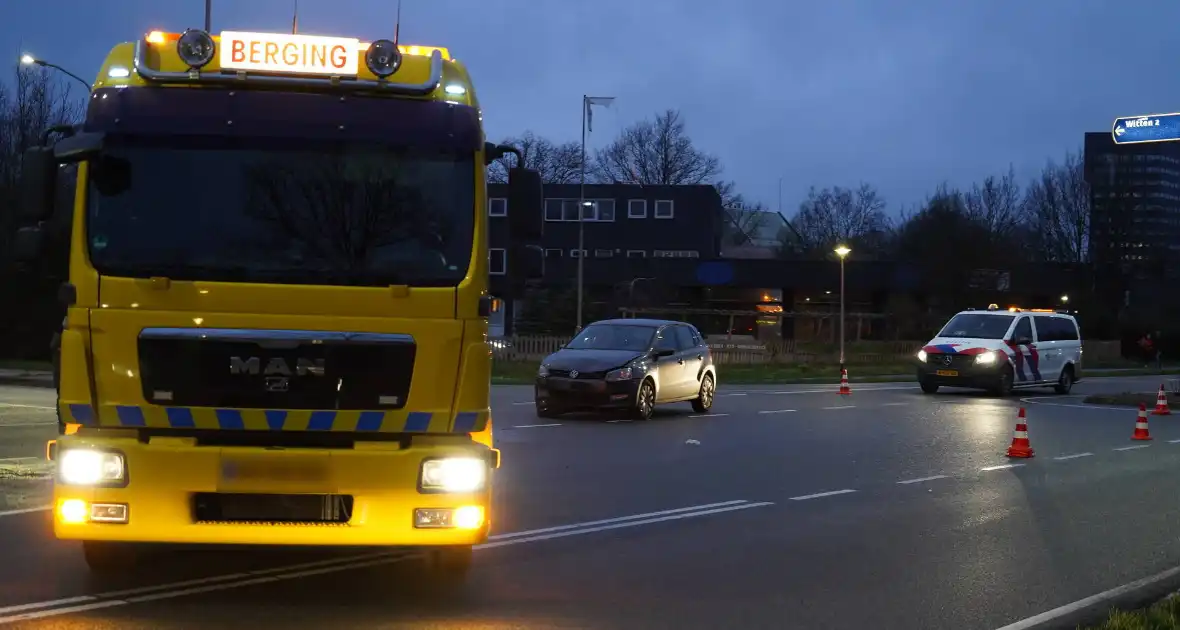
column 1095, row 609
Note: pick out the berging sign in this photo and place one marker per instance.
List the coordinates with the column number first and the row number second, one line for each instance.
column 289, row 54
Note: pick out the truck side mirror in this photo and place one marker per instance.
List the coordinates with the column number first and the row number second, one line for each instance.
column 28, row 243
column 38, row 184
column 526, row 262
column 525, row 206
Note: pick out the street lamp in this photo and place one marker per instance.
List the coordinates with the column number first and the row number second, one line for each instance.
column 588, row 103
column 1064, row 299
column 29, row 60
column 842, row 251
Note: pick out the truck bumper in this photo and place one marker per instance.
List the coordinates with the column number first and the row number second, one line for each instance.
column 177, row 492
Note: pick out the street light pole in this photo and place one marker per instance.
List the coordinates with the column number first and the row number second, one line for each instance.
column 582, row 214
column 842, row 251
column 29, row 60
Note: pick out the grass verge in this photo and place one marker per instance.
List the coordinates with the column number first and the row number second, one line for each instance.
column 1163, row 615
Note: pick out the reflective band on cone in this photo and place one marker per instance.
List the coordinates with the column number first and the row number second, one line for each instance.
column 1141, row 432
column 1161, row 404
column 1020, row 447
column 844, row 388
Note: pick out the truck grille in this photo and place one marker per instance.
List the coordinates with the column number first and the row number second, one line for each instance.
column 275, row 369
column 288, row 509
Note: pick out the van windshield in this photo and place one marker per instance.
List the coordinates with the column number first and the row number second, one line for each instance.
column 977, row 326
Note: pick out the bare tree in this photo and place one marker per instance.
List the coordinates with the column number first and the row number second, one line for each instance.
column 835, row 215
column 557, row 163
column 37, row 102
column 657, row 152
column 997, row 203
column 1057, row 211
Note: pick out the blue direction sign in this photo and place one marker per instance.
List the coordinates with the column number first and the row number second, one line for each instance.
column 1149, row 128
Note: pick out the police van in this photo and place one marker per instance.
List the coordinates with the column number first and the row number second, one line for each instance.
column 1001, row 350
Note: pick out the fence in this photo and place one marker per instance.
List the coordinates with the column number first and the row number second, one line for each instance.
column 535, row 348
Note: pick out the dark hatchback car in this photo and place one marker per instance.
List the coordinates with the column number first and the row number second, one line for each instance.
column 628, row 365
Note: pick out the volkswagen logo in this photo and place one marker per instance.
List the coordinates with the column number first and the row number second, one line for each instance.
column 573, row 374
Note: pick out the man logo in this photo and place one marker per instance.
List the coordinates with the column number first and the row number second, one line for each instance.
column 276, row 366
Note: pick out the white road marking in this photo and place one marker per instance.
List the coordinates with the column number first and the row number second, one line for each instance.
column 894, row 404
column 616, row 421
column 1173, row 441
column 921, row 479
column 1074, row 456
column 1132, row 448
column 18, row 459
column 525, row 402
column 834, row 390
column 37, row 610
column 37, row 407
column 12, row 425
column 43, row 508
column 534, row 426
column 1035, row 400
column 708, row 415
column 731, row 394
column 1000, row 467
column 777, row 411
column 840, row 407
column 1061, row 611
column 822, row 494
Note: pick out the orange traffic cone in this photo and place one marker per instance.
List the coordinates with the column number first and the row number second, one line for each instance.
column 1141, row 432
column 845, row 390
column 1020, row 444
column 1161, row 404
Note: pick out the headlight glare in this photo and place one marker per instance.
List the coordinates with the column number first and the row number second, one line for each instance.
column 987, row 358
column 922, row 356
column 86, row 467
column 454, row 474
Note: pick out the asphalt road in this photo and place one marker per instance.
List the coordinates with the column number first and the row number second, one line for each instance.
column 788, row 507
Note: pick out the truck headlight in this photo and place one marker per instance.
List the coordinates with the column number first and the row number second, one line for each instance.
column 987, row 358
column 86, row 467
column 922, row 356
column 454, row 474
column 621, row 374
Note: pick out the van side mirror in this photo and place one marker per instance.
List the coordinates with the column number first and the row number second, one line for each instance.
column 525, row 206
column 38, row 184
column 1022, row 341
column 28, row 243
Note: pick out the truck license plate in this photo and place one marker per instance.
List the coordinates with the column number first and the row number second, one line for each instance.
column 947, row 372
column 288, row 470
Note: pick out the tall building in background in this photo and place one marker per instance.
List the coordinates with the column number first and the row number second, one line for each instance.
column 1134, row 203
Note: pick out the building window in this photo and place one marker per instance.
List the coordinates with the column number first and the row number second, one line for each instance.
column 604, row 253
column 553, row 253
column 636, row 208
column 567, row 210
column 664, row 209
column 574, row 253
column 497, row 261
column 497, row 207
column 636, row 253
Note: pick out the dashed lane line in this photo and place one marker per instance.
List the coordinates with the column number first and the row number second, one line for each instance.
column 1074, row 456
column 767, row 411
column 535, row 426
column 708, row 415
column 922, row 479
column 33, row 407
column 839, row 407
column 1131, row 448
column 818, row 495
column 1000, row 467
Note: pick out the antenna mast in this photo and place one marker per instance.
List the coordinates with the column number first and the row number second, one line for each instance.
column 295, row 19
column 397, row 26
column 208, row 15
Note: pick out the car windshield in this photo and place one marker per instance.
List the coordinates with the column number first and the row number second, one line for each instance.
column 613, row 337
column 280, row 211
column 977, row 326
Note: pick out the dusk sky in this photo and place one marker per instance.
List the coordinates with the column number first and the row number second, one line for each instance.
column 902, row 95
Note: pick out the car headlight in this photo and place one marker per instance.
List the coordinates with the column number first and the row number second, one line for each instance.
column 922, row 356
column 85, row 467
column 621, row 374
column 543, row 371
column 454, row 474
column 987, row 358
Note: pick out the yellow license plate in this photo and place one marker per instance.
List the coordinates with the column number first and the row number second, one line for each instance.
column 947, row 372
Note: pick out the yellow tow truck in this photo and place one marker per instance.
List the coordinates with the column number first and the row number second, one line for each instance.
column 277, row 303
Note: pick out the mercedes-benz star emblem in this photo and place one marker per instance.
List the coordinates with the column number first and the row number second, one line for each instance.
column 946, row 360
column 573, row 374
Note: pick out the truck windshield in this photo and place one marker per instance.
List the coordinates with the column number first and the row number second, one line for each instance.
column 977, row 326
column 280, row 211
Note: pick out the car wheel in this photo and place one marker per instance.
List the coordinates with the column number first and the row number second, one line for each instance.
column 1003, row 385
column 1065, row 381
column 645, row 401
column 704, row 400
column 928, row 387
column 544, row 410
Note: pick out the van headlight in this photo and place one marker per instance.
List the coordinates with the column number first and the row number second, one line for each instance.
column 922, row 356
column 86, row 467
column 987, row 358
column 454, row 474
